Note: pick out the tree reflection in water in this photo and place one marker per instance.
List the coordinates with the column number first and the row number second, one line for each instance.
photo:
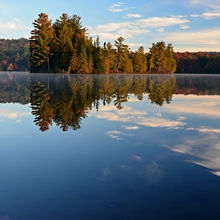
column 66, row 99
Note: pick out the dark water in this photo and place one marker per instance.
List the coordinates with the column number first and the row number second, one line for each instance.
column 109, row 147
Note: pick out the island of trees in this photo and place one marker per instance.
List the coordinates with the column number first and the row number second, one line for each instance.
column 65, row 46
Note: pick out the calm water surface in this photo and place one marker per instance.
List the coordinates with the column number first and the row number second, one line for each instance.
column 109, row 147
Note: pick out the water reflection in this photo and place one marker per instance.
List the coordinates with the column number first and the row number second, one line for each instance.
column 66, row 100
column 141, row 137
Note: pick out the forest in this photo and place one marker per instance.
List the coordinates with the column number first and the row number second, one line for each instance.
column 65, row 47
column 200, row 62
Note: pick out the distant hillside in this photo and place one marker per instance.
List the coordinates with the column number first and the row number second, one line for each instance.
column 14, row 55
column 200, row 62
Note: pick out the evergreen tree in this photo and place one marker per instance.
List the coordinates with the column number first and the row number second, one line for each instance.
column 90, row 63
column 111, row 58
column 128, row 65
column 140, row 61
column 83, row 64
column 99, row 60
column 40, row 46
column 170, row 61
column 66, row 47
column 122, row 56
column 161, row 58
column 74, row 62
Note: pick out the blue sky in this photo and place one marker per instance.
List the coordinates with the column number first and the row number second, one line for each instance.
column 190, row 25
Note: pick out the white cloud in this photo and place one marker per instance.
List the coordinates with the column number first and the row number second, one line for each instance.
column 203, row 40
column 156, row 22
column 118, row 7
column 13, row 29
column 205, row 129
column 181, row 118
column 208, row 130
column 131, row 29
column 133, row 16
column 116, row 135
column 131, row 127
column 206, row 150
column 135, row 45
column 207, row 15
column 214, row 4
column 10, row 114
column 196, row 105
column 7, row 112
column 13, row 26
column 160, row 122
column 138, row 118
column 184, row 27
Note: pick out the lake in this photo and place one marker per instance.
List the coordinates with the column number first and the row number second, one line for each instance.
column 113, row 147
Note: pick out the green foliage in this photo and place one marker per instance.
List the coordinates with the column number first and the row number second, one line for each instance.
column 82, row 62
column 99, row 58
column 140, row 61
column 161, row 58
column 65, row 47
column 68, row 36
column 111, row 58
column 122, row 56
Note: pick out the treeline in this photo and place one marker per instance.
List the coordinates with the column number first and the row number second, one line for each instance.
column 200, row 62
column 65, row 46
column 14, row 55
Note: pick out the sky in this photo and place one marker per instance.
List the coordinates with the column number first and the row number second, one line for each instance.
column 190, row 25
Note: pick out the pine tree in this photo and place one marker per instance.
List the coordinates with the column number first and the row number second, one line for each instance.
column 106, row 59
column 121, row 55
column 140, row 61
column 83, row 64
column 90, row 63
column 111, row 58
column 40, row 44
column 127, row 65
column 63, row 46
column 152, row 63
column 74, row 62
column 170, row 61
column 161, row 58
column 99, row 60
